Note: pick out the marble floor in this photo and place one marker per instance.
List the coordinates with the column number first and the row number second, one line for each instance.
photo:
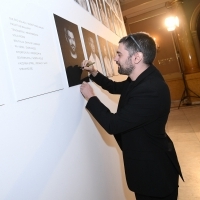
column 183, row 127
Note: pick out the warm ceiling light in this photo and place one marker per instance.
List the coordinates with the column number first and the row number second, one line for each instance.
column 176, row 21
column 171, row 23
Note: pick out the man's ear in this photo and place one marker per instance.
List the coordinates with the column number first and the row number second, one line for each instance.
column 138, row 57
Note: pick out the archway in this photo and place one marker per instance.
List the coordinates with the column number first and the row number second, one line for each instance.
column 198, row 27
column 195, row 30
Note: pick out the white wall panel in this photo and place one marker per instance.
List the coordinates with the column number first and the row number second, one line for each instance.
column 51, row 147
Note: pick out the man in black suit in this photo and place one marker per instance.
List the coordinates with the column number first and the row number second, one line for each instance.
column 72, row 50
column 151, row 165
column 70, row 39
column 74, row 74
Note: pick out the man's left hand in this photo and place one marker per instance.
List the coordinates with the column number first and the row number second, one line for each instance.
column 86, row 90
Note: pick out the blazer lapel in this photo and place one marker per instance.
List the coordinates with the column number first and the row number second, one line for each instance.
column 132, row 84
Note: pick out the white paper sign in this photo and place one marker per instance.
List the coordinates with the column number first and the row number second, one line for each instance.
column 2, row 74
column 31, row 51
column 1, row 84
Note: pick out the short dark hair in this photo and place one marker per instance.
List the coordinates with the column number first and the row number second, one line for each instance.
column 140, row 42
column 68, row 27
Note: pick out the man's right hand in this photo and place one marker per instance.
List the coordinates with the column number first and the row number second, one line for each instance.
column 87, row 65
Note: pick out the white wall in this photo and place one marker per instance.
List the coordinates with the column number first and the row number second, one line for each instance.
column 51, row 148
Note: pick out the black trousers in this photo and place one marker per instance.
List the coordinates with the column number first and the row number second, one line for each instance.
column 172, row 196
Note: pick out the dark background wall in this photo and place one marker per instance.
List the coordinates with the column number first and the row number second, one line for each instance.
column 165, row 60
column 189, row 7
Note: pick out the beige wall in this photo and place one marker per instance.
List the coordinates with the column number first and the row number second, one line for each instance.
column 166, row 60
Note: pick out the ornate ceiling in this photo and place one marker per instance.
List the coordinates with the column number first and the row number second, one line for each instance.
column 131, row 8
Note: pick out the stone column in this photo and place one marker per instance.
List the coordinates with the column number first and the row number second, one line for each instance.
column 184, row 37
column 196, row 44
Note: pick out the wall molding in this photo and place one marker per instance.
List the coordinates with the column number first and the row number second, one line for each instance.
column 193, row 29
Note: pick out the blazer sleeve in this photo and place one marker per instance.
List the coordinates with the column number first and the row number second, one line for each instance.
column 107, row 84
column 141, row 108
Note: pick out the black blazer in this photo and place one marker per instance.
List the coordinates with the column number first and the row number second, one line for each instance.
column 151, row 164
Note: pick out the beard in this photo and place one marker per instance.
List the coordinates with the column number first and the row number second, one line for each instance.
column 127, row 68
